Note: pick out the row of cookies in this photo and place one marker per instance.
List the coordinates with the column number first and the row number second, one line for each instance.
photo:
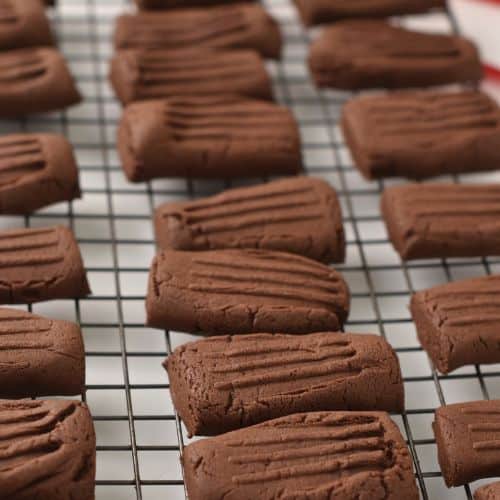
column 223, row 292
column 242, row 261
column 221, row 384
column 35, row 77
column 226, row 383
column 419, row 135
column 381, row 147
column 36, row 169
column 48, row 447
column 194, row 84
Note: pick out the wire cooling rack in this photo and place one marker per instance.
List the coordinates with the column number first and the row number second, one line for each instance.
column 139, row 437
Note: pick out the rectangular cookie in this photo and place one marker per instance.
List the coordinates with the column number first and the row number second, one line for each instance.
column 36, row 170
column 174, row 4
column 39, row 356
column 431, row 221
column 35, row 80
column 224, row 383
column 314, row 12
column 488, row 492
column 139, row 74
column 300, row 215
column 240, row 26
column 23, row 23
column 317, row 455
column 422, row 134
column 457, row 323
column 40, row 264
column 244, row 291
column 468, row 441
column 208, row 137
column 365, row 54
column 48, row 450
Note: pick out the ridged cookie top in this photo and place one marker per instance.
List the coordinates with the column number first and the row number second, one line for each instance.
column 39, row 356
column 468, row 439
column 299, row 215
column 457, row 322
column 374, row 54
column 326, row 11
column 23, row 23
column 422, row 134
column 443, row 220
column 258, row 274
column 260, row 362
column 313, row 455
column 31, row 247
column 224, row 383
column 37, row 264
column 468, row 305
column 44, row 445
column 29, row 66
column 482, row 420
column 35, row 80
column 234, row 26
column 388, row 42
column 249, row 287
column 22, row 66
column 428, row 204
column 22, row 331
column 139, row 74
column 208, row 136
column 31, row 158
column 229, row 120
column 488, row 492
column 20, row 156
column 418, row 119
column 220, row 118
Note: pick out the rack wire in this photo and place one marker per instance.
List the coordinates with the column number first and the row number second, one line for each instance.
column 140, row 437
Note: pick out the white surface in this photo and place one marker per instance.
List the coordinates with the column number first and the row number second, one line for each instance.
column 480, row 20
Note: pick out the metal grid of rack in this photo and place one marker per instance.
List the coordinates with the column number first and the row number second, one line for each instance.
column 139, row 435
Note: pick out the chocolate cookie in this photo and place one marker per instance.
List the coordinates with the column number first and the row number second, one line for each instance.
column 39, row 356
column 300, row 215
column 208, row 137
column 334, row 455
column 224, row 383
column 430, row 221
column 457, row 323
column 488, row 492
column 327, row 11
column 35, row 80
column 48, row 450
column 23, row 23
column 244, row 291
column 373, row 54
column 40, row 264
column 36, row 170
column 468, row 441
column 241, row 26
column 139, row 74
column 173, row 4
column 422, row 134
